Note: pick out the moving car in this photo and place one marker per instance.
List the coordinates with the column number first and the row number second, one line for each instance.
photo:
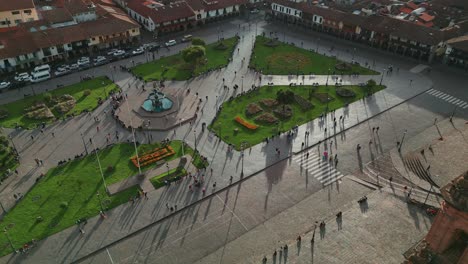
column 22, row 77
column 171, row 42
column 187, row 38
column 138, row 51
column 4, row 85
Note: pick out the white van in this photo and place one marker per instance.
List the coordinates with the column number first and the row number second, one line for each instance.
column 42, row 68
column 40, row 76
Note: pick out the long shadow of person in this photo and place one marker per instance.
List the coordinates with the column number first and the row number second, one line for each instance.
column 322, row 231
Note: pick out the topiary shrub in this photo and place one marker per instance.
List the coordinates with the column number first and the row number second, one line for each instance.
column 64, row 205
column 4, row 113
column 86, row 92
column 48, row 97
column 110, row 168
column 343, row 92
column 198, row 42
column 39, row 219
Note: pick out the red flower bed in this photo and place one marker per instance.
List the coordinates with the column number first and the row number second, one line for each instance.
column 154, row 156
column 245, row 123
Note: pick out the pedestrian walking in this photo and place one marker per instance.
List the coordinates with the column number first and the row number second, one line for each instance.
column 32, row 137
column 230, row 179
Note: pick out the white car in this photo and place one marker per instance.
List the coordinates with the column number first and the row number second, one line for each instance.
column 171, row 42
column 254, row 11
column 99, row 60
column 22, row 77
column 119, row 53
column 112, row 51
column 4, row 85
column 138, row 51
column 83, row 61
column 74, row 66
column 61, row 71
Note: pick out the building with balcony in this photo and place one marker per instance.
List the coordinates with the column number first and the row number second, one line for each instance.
column 13, row 13
column 63, row 33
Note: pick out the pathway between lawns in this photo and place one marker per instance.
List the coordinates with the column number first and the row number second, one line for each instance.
column 143, row 180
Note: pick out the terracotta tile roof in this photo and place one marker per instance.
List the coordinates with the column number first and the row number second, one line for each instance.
column 220, row 4
column 7, row 5
column 426, row 17
column 412, row 5
column 460, row 43
column 171, row 12
column 77, row 6
column 196, row 4
column 56, row 15
column 406, row 10
column 23, row 41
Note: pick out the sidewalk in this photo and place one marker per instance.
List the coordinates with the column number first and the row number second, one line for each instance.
column 448, row 158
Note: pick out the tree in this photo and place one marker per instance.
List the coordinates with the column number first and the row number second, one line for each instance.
column 371, row 83
column 284, row 97
column 198, row 42
column 193, row 54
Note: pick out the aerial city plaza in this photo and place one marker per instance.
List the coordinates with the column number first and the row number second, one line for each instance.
column 234, row 131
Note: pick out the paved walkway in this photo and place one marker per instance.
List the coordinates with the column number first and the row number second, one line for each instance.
column 68, row 137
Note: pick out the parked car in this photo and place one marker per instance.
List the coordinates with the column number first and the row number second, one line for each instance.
column 155, row 47
column 61, row 71
column 99, row 60
column 83, row 61
column 22, row 77
column 74, row 66
column 138, row 51
column 119, row 53
column 112, row 51
column 254, row 11
column 187, row 38
column 4, row 85
column 171, row 42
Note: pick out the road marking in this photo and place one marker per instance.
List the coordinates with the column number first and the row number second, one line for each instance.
column 321, row 170
column 448, row 98
column 234, row 214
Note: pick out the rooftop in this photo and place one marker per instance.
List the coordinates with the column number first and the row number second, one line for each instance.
column 8, row 5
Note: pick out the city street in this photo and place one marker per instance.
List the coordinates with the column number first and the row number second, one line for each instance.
column 279, row 197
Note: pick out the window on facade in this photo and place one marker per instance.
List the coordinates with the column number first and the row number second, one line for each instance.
column 93, row 39
column 27, row 12
column 3, row 23
column 17, row 21
column 133, row 30
column 15, row 12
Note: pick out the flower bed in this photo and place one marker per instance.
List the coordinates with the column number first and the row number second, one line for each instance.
column 154, row 156
column 245, row 123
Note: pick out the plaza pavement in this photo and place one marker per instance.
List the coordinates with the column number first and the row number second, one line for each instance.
column 54, row 149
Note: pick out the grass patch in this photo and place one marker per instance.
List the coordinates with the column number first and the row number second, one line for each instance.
column 225, row 126
column 284, row 59
column 69, row 192
column 8, row 158
column 175, row 68
column 16, row 110
column 173, row 175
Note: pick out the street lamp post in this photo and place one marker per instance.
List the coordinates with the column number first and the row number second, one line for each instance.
column 100, row 167
column 84, row 144
column 381, row 78
column 9, row 239
column 167, row 167
column 402, row 139
column 243, row 145
column 134, row 140
column 100, row 202
column 13, row 143
column 104, row 87
column 195, row 137
column 242, row 85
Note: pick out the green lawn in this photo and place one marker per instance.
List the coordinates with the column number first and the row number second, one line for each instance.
column 225, row 124
column 77, row 184
column 284, row 59
column 16, row 110
column 177, row 69
column 158, row 181
column 7, row 157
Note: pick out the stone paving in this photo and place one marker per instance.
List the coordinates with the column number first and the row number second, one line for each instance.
column 52, row 149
